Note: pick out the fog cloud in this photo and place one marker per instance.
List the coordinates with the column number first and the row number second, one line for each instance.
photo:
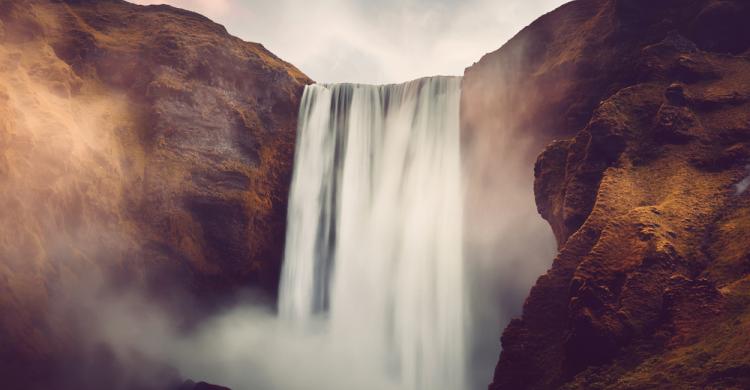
column 245, row 348
column 373, row 41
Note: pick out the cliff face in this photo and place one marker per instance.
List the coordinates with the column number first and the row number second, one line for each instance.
column 644, row 190
column 144, row 140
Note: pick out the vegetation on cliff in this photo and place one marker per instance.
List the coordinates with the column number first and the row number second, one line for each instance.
column 644, row 192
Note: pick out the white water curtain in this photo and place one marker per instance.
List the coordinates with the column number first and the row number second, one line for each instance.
column 374, row 240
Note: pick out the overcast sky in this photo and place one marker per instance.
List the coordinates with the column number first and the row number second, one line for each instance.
column 373, row 41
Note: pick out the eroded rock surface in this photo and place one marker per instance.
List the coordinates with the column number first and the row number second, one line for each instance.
column 141, row 140
column 643, row 190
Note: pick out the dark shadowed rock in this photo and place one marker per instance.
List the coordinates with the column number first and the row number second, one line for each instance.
column 190, row 385
column 650, row 103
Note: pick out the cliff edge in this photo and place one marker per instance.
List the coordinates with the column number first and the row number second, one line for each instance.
column 141, row 140
column 645, row 110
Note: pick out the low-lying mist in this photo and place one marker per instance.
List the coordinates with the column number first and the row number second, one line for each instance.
column 244, row 347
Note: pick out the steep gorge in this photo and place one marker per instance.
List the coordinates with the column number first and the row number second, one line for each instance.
column 147, row 143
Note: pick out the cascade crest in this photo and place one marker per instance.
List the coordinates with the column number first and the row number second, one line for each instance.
column 374, row 240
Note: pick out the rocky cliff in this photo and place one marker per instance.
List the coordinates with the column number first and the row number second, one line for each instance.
column 644, row 189
column 144, row 140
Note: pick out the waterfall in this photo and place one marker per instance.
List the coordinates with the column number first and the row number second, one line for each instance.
column 374, row 239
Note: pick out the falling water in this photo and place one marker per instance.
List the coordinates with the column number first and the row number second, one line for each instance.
column 374, row 240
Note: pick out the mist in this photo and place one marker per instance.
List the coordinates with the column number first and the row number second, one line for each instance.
column 508, row 245
column 245, row 347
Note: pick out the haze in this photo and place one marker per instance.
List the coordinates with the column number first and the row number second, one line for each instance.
column 373, row 41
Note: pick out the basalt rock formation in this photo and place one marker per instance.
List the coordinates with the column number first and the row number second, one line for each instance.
column 141, row 140
column 644, row 188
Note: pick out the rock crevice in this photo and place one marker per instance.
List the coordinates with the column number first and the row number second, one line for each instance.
column 649, row 288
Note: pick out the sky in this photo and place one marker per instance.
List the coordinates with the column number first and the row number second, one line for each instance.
column 373, row 41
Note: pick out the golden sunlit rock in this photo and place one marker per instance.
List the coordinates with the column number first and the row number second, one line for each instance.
column 139, row 139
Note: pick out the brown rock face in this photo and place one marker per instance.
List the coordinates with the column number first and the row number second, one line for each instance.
column 141, row 140
column 645, row 192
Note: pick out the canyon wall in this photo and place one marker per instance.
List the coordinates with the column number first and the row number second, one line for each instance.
column 139, row 146
column 644, row 110
column 145, row 146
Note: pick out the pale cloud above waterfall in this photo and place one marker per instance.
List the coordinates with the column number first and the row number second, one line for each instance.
column 373, row 41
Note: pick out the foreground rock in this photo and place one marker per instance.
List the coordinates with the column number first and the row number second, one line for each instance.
column 190, row 385
column 645, row 192
column 139, row 146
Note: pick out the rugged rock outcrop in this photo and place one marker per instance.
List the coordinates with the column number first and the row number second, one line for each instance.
column 145, row 140
column 190, row 385
column 645, row 190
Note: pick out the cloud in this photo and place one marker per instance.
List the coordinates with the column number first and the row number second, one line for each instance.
column 374, row 41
